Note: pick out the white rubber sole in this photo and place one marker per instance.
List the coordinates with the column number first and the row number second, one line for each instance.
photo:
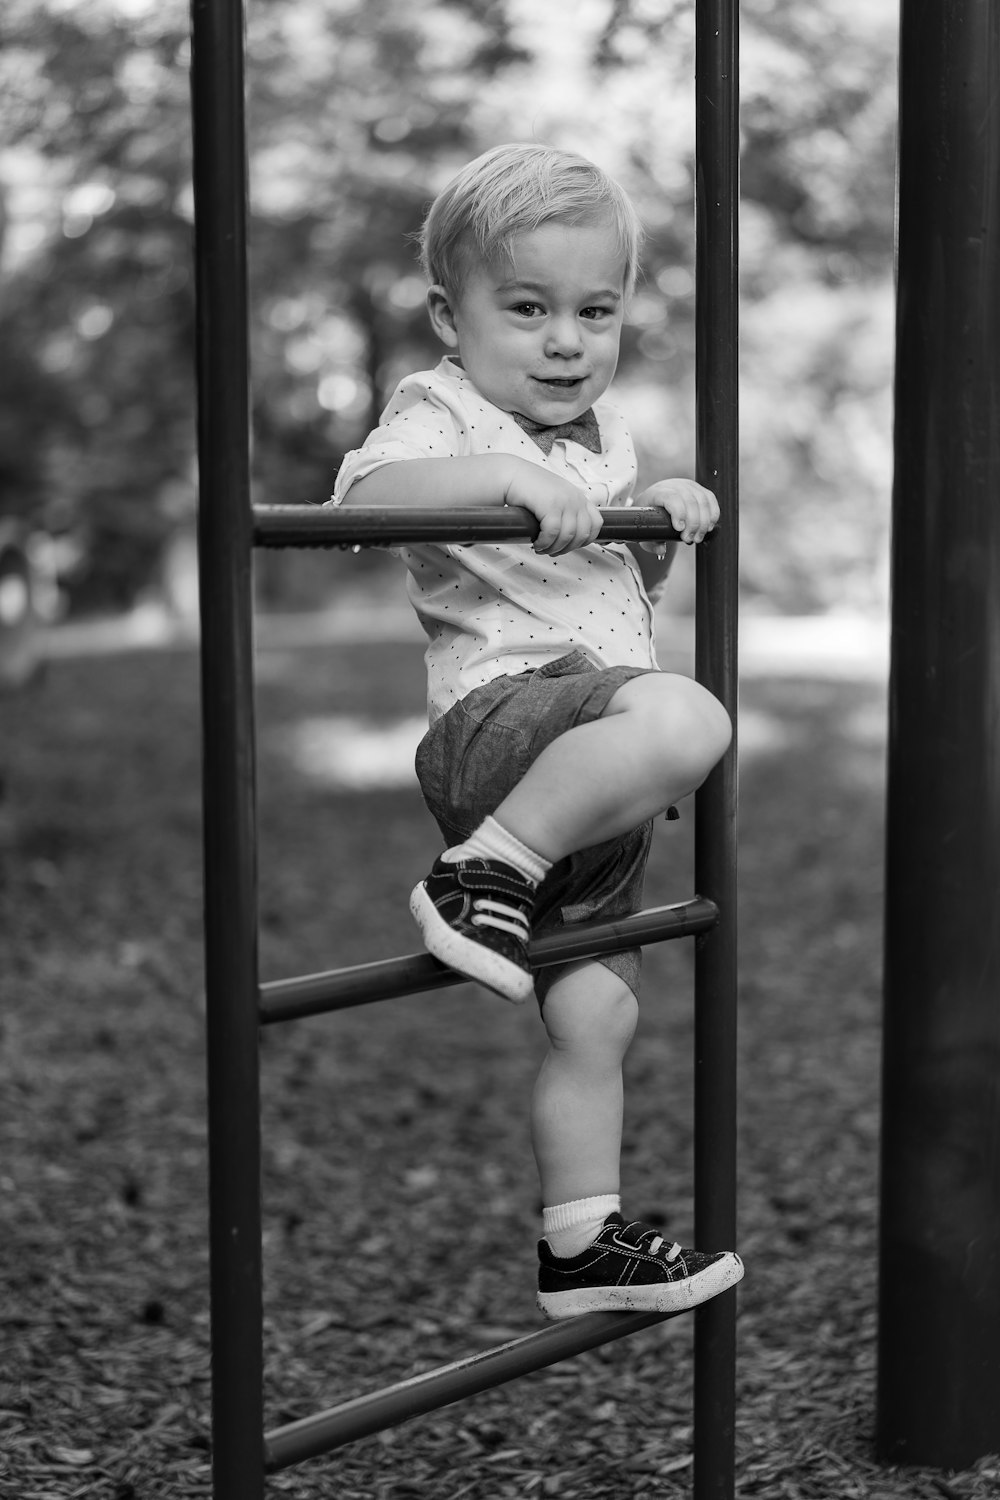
column 670, row 1297
column 467, row 957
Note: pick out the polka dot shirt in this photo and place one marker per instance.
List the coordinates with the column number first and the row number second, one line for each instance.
column 490, row 610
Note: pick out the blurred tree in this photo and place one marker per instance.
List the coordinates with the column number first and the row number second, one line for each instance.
column 352, row 107
column 95, row 102
column 358, row 112
column 818, row 112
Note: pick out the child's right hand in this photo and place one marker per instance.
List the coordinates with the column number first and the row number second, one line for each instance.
column 567, row 517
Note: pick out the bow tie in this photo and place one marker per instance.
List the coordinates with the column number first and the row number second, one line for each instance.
column 583, row 429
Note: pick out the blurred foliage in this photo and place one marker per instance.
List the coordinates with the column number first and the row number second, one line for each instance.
column 359, row 110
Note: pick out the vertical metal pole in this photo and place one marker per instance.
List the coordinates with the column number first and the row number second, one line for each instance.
column 717, row 374
column 939, row 1314
column 225, row 554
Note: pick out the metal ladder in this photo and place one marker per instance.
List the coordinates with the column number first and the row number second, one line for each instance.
column 230, row 528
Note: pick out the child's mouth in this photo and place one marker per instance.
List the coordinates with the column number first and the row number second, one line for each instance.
column 563, row 383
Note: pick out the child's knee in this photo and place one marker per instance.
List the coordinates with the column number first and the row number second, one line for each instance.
column 710, row 723
column 687, row 724
column 590, row 1009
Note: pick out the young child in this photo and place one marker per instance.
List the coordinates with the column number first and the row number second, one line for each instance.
column 554, row 739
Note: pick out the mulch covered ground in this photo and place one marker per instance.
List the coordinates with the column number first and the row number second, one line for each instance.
column 400, row 1203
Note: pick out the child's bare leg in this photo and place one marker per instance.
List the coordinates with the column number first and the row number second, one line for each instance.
column 657, row 740
column 591, row 1257
column 576, row 1116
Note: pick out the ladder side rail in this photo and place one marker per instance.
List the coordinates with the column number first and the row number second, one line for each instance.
column 228, row 775
column 334, row 1428
column 716, row 611
column 415, row 973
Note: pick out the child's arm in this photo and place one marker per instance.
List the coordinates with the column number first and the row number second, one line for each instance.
column 568, row 517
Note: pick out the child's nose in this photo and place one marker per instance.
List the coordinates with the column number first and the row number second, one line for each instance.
column 563, row 338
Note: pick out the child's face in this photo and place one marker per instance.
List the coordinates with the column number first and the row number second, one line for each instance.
column 540, row 335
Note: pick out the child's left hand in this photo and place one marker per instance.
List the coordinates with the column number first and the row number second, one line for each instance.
column 693, row 510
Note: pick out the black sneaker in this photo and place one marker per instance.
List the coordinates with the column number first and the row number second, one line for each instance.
column 631, row 1268
column 476, row 917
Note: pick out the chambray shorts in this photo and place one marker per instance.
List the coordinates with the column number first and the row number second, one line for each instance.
column 480, row 749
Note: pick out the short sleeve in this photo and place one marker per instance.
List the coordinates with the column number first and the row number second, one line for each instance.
column 422, row 420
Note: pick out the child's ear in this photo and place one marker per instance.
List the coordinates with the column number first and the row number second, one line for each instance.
column 441, row 316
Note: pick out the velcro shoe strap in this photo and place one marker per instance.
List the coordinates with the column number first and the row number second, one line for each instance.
column 632, row 1234
column 475, row 875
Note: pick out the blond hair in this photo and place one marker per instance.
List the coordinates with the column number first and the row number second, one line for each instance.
column 512, row 190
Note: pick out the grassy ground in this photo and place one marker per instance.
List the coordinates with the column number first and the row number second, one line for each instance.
column 400, row 1207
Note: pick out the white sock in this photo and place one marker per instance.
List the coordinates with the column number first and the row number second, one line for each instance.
column 492, row 841
column 571, row 1227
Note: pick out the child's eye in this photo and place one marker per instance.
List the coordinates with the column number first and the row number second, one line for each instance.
column 527, row 309
column 595, row 313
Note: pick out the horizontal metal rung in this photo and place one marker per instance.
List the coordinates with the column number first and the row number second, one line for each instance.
column 339, row 989
column 364, row 1415
column 395, row 525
